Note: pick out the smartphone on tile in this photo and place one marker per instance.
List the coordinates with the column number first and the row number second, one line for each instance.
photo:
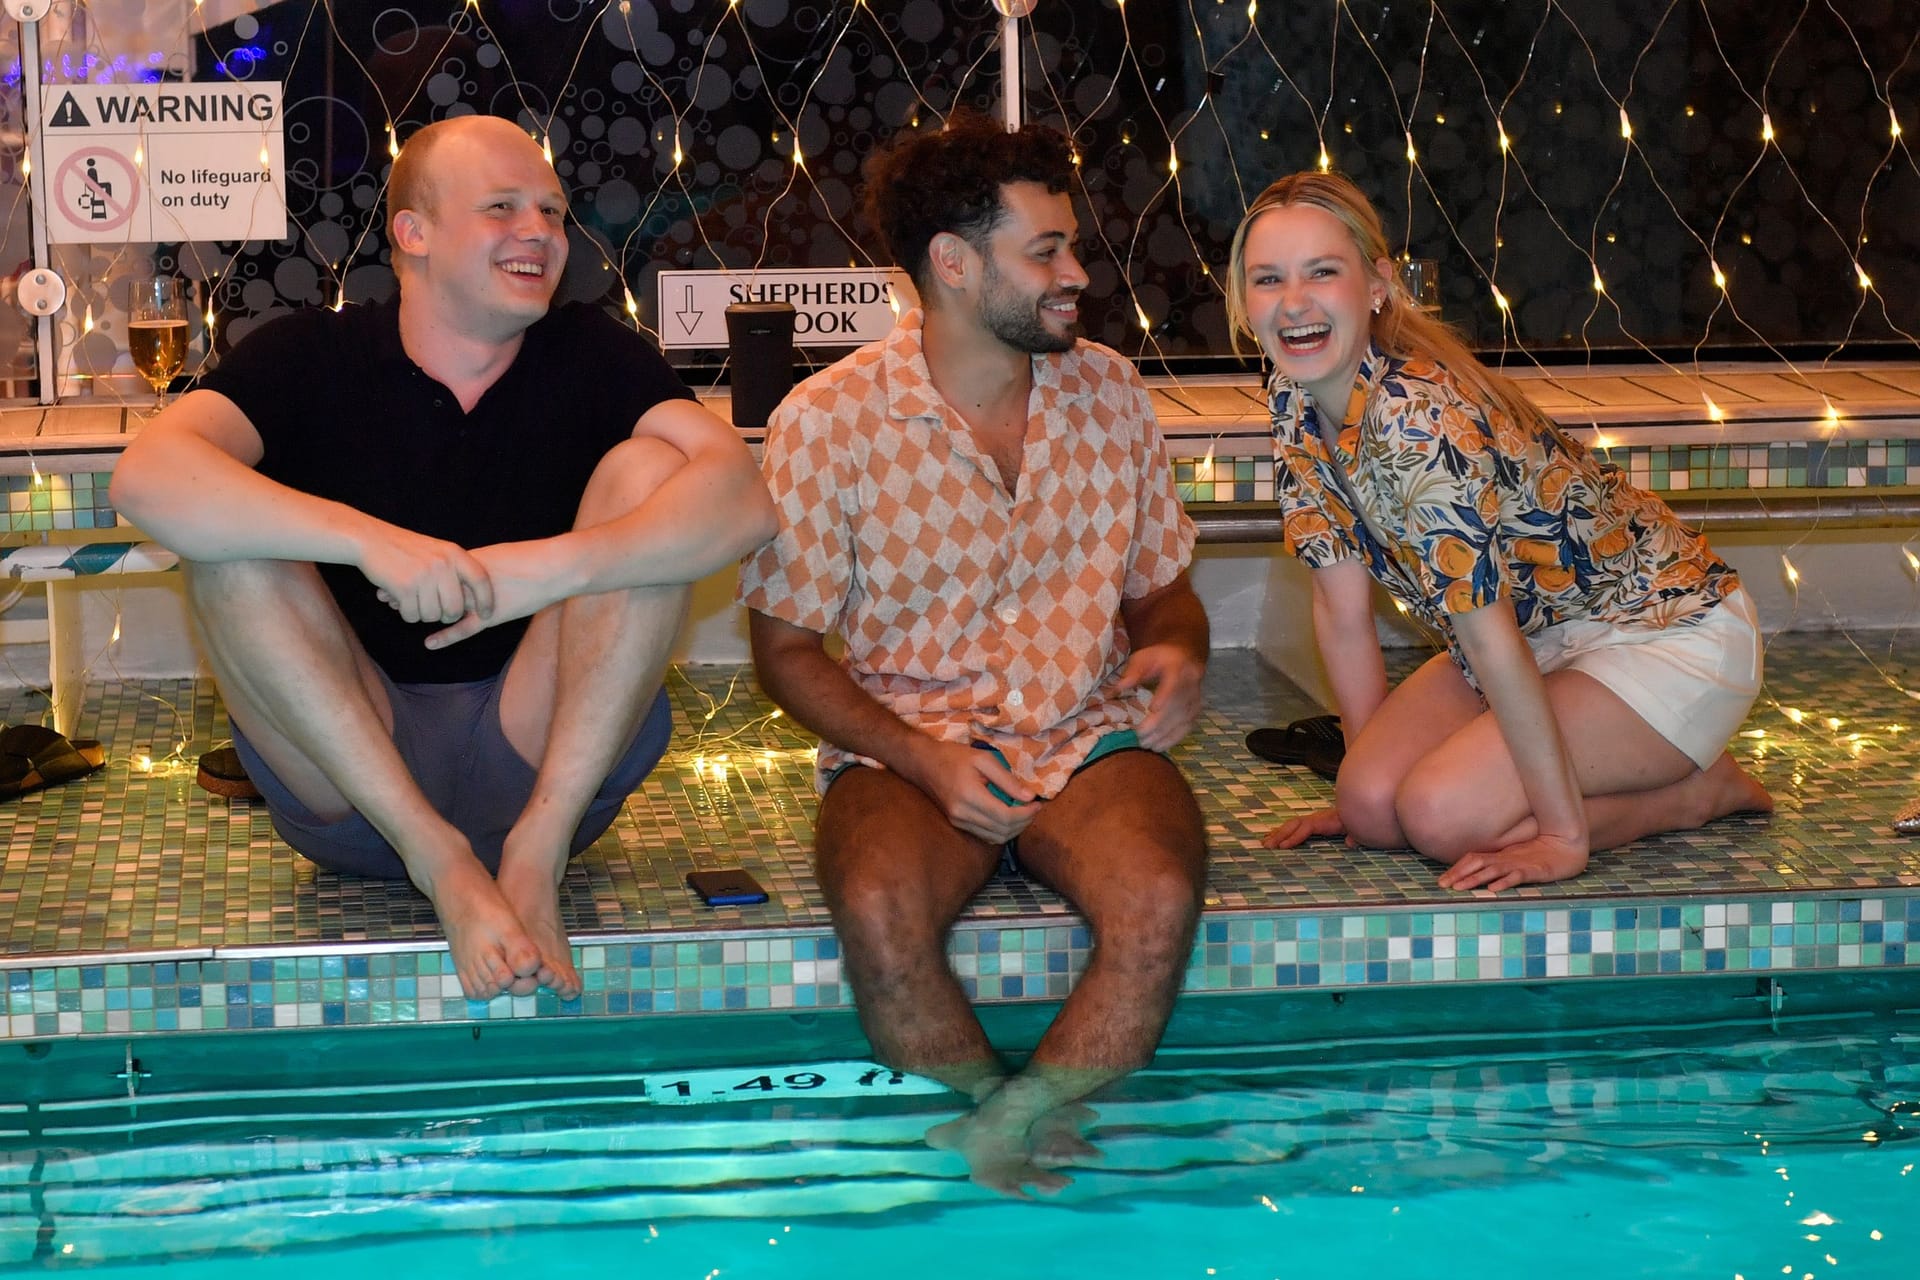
column 727, row 887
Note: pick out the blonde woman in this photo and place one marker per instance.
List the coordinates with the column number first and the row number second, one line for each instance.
column 1599, row 654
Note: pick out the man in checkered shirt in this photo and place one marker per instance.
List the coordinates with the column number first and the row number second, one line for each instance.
column 981, row 508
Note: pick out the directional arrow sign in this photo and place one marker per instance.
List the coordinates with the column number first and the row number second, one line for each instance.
column 833, row 306
column 688, row 317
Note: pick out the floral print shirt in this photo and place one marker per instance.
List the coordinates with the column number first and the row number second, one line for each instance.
column 1461, row 505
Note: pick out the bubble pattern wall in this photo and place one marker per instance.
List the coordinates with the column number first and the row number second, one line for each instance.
column 1684, row 178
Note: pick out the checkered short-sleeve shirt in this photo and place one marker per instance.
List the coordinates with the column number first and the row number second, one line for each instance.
column 972, row 615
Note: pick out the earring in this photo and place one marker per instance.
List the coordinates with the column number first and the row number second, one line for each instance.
column 1377, row 304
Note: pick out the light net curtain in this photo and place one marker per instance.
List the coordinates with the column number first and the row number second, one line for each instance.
column 1684, row 179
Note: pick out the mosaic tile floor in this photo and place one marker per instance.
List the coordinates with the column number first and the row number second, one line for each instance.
column 131, row 862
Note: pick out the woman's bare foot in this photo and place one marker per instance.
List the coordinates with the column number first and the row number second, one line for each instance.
column 1727, row 788
column 533, row 892
column 492, row 951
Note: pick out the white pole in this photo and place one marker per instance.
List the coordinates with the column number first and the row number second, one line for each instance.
column 30, row 91
column 1011, row 11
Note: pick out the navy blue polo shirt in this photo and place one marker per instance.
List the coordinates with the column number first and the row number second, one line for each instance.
column 344, row 414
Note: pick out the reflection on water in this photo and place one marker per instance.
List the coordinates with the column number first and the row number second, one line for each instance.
column 190, row 1174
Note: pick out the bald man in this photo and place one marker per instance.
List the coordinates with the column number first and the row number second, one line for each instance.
column 437, row 550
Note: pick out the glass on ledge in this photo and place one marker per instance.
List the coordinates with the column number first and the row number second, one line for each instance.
column 157, row 332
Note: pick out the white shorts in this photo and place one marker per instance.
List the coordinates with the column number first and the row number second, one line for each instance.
column 1693, row 683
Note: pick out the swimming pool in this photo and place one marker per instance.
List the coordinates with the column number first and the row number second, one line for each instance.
column 1714, row 1131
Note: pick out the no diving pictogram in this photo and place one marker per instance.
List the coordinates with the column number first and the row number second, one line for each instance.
column 97, row 189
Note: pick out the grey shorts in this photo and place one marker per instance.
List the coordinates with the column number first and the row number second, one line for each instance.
column 450, row 739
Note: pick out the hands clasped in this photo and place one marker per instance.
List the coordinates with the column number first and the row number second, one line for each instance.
column 427, row 579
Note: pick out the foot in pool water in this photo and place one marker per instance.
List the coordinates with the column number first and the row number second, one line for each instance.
column 1014, row 1157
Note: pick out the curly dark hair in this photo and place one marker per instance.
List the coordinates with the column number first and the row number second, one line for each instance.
column 924, row 183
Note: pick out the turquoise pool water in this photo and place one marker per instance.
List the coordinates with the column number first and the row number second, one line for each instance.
column 1681, row 1146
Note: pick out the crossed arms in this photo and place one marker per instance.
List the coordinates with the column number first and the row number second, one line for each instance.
column 189, row 481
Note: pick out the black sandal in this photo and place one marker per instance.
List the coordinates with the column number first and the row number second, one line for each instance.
column 33, row 756
column 1315, row 742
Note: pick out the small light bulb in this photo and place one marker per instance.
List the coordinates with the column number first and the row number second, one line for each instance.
column 1505, row 142
column 1412, row 155
column 393, row 141
column 1766, row 127
column 1793, row 580
column 1866, row 281
column 1626, row 125
column 1719, row 276
column 1714, row 411
column 1500, row 299
column 1140, row 314
column 1893, row 121
column 1326, row 161
column 1599, row 285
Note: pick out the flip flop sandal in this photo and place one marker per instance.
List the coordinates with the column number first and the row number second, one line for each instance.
column 32, row 757
column 1907, row 821
column 222, row 774
column 1315, row 742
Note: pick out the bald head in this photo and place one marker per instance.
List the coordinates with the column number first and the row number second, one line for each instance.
column 412, row 184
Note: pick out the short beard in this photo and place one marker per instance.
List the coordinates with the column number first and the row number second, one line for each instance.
column 1016, row 321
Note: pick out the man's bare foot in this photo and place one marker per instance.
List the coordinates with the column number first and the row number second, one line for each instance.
column 997, row 1158
column 534, row 894
column 1727, row 788
column 1058, row 1137
column 491, row 949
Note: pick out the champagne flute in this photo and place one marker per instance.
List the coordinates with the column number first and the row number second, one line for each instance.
column 157, row 331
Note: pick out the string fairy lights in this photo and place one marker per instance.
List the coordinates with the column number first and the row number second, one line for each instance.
column 1177, row 114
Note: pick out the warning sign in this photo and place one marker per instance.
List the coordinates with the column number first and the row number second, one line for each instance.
column 833, row 307
column 150, row 162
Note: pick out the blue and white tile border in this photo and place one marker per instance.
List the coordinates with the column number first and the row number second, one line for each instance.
column 1267, row 951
